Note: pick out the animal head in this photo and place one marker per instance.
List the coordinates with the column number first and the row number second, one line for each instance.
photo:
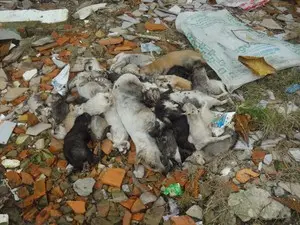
column 128, row 83
column 145, row 70
column 151, row 160
column 83, row 120
column 79, row 109
column 189, row 109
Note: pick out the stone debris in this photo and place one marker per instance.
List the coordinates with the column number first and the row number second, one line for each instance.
column 195, row 211
column 256, row 203
column 84, row 187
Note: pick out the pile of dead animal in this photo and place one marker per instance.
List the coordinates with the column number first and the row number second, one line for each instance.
column 163, row 106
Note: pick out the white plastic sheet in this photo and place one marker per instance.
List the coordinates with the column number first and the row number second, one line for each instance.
column 244, row 4
column 221, row 38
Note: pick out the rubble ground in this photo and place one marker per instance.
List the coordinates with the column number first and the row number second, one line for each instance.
column 256, row 181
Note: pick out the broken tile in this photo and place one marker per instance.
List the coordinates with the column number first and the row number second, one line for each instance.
column 137, row 206
column 182, row 220
column 113, row 177
column 154, row 27
column 77, row 206
column 84, row 187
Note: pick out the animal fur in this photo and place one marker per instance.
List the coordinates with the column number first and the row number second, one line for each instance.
column 75, row 146
column 163, row 64
column 201, row 82
column 100, row 103
column 118, row 134
column 62, row 129
column 175, row 81
column 173, row 116
column 194, row 95
column 167, row 144
column 181, row 71
column 98, row 127
column 138, row 120
column 200, row 130
column 60, row 109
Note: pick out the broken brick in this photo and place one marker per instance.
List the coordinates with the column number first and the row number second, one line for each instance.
column 27, row 202
column 56, row 191
column 29, row 214
column 245, row 175
column 128, row 203
column 107, row 146
column 43, row 216
column 131, row 157
column 26, row 178
column 32, row 119
column 111, row 41
column 33, row 169
column 182, row 220
column 39, row 188
column 62, row 164
column 233, row 187
column 138, row 216
column 77, row 206
column 23, row 192
column 127, row 218
column 154, row 26
column 46, row 171
column 47, row 46
column 56, row 146
column 62, row 40
column 19, row 100
column 14, row 179
column 258, row 156
column 23, row 154
column 19, row 130
column 137, row 206
column 181, row 177
column 55, row 213
column 103, row 208
column 113, row 177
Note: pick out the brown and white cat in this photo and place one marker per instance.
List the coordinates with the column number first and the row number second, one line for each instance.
column 162, row 65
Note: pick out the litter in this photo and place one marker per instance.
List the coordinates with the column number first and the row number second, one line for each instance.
column 244, row 4
column 6, row 129
column 222, row 39
column 293, row 88
column 87, row 11
column 30, row 74
column 44, row 16
column 37, row 129
column 268, row 159
column 220, row 121
column 60, row 81
column 150, row 47
column 270, row 24
column 172, row 190
column 57, row 62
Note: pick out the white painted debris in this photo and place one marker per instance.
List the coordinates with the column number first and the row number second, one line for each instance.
column 86, row 11
column 4, row 219
column 130, row 19
column 268, row 159
column 175, row 9
column 6, row 129
column 6, row 34
column 60, row 81
column 244, row 4
column 30, row 74
column 295, row 153
column 10, row 163
column 37, row 129
column 57, row 62
column 270, row 24
column 44, row 16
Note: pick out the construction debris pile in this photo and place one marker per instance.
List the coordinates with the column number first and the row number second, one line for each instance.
column 110, row 116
